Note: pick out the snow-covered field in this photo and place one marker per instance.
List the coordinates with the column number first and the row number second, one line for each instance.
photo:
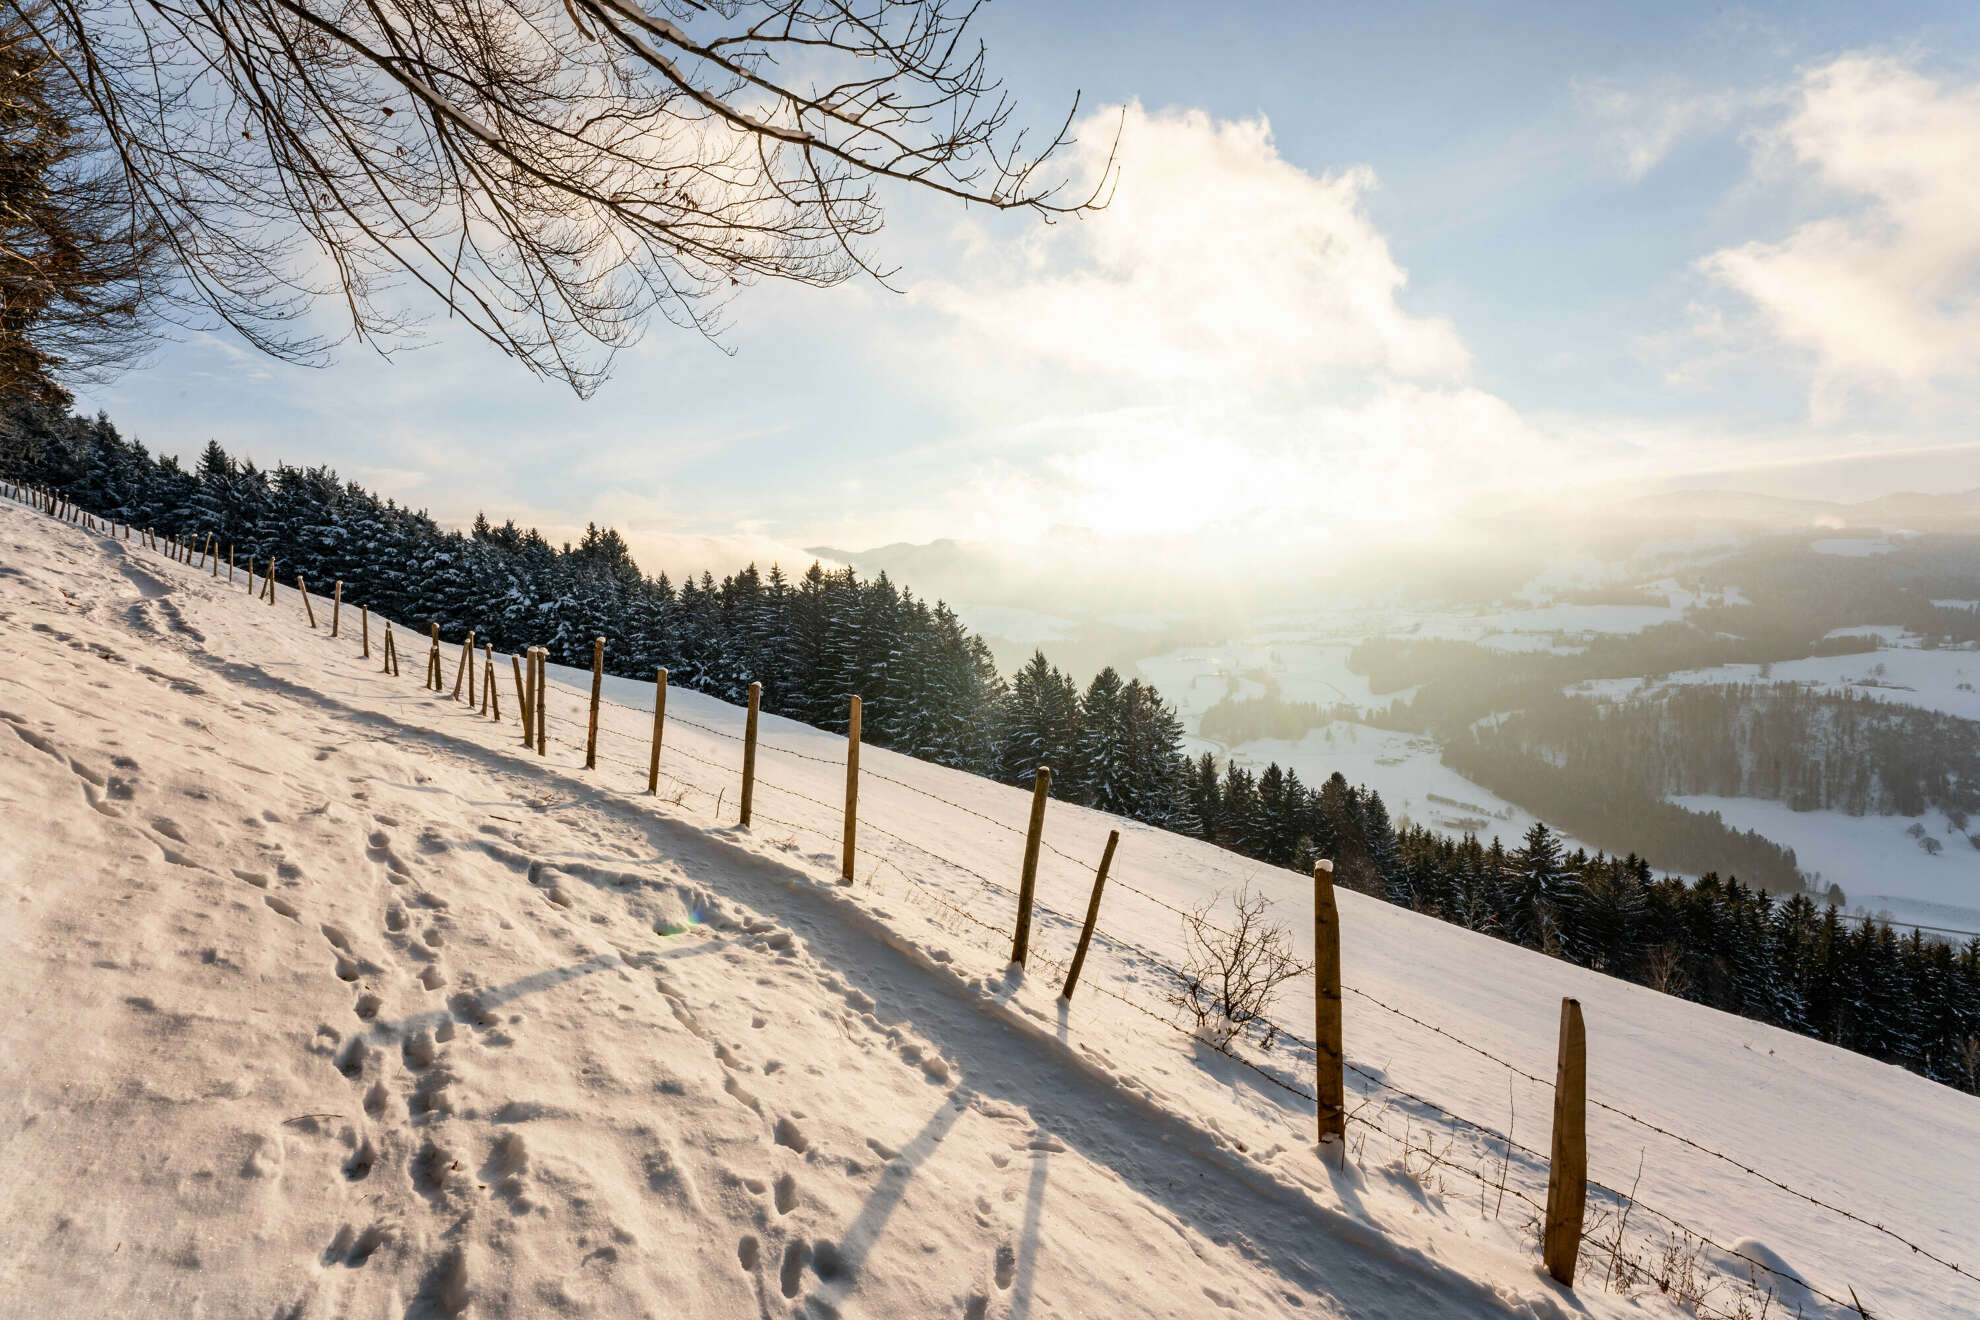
column 326, row 998
column 1406, row 769
column 1943, row 680
column 1880, row 865
column 1196, row 678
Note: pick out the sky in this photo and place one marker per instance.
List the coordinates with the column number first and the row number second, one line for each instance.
column 1362, row 272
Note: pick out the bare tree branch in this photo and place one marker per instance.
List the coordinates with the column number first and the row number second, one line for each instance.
column 551, row 172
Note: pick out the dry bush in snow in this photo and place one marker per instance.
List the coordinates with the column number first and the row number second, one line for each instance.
column 1235, row 960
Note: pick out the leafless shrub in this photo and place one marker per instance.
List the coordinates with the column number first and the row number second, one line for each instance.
column 1234, row 961
column 1666, row 969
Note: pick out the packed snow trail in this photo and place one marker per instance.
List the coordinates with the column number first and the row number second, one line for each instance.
column 328, row 999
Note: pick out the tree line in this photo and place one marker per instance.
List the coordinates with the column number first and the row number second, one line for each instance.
column 1814, row 750
column 929, row 688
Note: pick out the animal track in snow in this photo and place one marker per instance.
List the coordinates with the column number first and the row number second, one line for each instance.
column 358, row 1167
column 354, row 1248
column 786, row 1193
column 797, row 1255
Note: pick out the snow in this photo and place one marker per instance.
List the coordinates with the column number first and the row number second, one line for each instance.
column 1890, row 634
column 1879, row 865
column 1406, row 769
column 1196, row 678
column 1548, row 620
column 326, row 998
column 1943, row 680
column 1852, row 547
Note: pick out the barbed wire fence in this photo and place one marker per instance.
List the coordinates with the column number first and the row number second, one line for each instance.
column 957, row 916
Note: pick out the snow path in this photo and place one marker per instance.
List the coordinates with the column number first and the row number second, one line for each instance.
column 321, row 1010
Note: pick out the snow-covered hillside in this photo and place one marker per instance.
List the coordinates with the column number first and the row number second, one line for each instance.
column 327, row 998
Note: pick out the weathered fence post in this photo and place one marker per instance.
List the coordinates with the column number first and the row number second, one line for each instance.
column 749, row 750
column 230, row 555
column 597, row 684
column 303, row 591
column 542, row 701
column 250, row 575
column 1092, row 915
column 659, row 726
column 522, row 698
column 213, row 544
column 433, row 657
column 533, row 669
column 489, row 686
column 336, row 600
column 461, row 671
column 848, row 845
column 1328, row 1086
column 269, row 582
column 1041, row 788
column 364, row 630
column 386, row 650
column 1567, row 1161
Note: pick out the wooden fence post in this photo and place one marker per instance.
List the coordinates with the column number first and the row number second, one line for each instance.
column 522, row 698
column 336, row 600
column 542, row 701
column 213, row 545
column 269, row 581
column 491, row 691
column 364, row 630
column 1041, row 788
column 230, row 556
column 1092, row 915
column 1328, row 1088
column 1567, row 1162
column 848, row 844
column 462, row 672
column 303, row 591
column 433, row 657
column 597, row 683
column 749, row 750
column 659, row 725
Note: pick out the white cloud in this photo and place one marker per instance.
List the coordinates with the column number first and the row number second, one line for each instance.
column 1640, row 126
column 1884, row 294
column 1216, row 260
column 1224, row 347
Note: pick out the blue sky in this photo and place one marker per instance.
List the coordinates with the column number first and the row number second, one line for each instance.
column 1368, row 265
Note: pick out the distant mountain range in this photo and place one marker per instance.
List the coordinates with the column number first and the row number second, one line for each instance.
column 1078, row 573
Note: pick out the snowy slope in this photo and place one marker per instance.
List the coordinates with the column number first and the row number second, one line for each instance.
column 330, row 999
column 1878, row 863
